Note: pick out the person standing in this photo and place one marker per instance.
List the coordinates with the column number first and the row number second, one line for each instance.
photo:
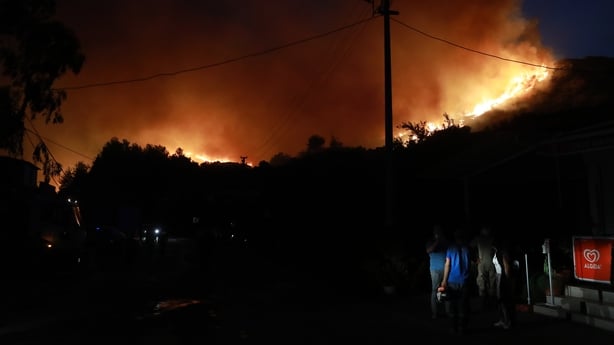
column 486, row 278
column 436, row 248
column 455, row 282
column 506, row 281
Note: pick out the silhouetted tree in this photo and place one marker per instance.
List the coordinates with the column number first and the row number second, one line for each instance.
column 35, row 50
column 280, row 159
column 179, row 152
column 72, row 181
column 335, row 143
column 447, row 121
column 315, row 143
column 419, row 131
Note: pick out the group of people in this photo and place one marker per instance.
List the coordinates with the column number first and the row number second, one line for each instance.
column 453, row 265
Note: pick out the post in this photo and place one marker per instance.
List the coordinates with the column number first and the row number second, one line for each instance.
column 384, row 9
column 526, row 270
column 546, row 250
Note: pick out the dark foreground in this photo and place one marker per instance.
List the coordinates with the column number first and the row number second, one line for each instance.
column 253, row 301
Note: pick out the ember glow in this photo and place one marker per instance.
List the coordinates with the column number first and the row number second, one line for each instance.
column 257, row 107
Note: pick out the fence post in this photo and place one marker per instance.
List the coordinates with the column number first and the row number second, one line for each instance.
column 526, row 270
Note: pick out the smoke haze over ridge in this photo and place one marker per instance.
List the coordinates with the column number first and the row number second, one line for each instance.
column 261, row 105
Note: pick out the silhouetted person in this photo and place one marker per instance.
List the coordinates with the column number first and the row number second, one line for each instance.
column 486, row 278
column 436, row 248
column 506, row 283
column 456, row 282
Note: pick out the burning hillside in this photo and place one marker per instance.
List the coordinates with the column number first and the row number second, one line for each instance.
column 578, row 92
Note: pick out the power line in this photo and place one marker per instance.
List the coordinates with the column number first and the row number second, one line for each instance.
column 473, row 50
column 194, row 69
column 60, row 145
column 274, row 49
column 290, row 44
column 216, row 64
column 51, row 155
column 48, row 152
column 277, row 131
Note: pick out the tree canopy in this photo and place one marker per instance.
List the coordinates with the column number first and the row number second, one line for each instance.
column 35, row 50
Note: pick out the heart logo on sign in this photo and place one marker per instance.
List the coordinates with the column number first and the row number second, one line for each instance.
column 591, row 255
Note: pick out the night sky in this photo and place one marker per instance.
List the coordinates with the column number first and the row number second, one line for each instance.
column 574, row 28
column 255, row 78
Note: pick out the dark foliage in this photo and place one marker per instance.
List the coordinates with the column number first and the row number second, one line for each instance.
column 325, row 209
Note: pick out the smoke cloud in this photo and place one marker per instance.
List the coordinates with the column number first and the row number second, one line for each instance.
column 264, row 104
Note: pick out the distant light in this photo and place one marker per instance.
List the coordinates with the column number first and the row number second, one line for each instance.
column 157, row 231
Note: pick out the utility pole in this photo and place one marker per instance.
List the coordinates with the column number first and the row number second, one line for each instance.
column 384, row 9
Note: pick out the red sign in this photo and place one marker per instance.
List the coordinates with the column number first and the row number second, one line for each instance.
column 592, row 258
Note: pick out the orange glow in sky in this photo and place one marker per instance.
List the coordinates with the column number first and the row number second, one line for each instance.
column 269, row 103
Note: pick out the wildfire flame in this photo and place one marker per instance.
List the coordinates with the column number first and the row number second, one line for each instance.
column 518, row 86
column 202, row 158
